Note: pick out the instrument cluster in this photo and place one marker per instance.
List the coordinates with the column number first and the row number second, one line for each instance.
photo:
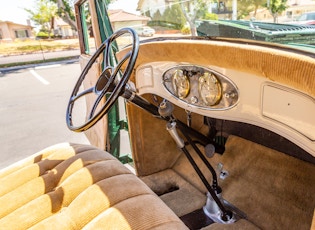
column 201, row 87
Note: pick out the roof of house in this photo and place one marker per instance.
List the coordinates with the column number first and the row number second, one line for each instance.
column 17, row 24
column 121, row 16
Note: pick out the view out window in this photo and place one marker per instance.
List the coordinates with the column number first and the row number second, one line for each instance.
column 289, row 14
column 21, row 34
column 302, row 18
column 88, row 37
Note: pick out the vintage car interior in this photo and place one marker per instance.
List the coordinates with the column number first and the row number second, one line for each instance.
column 221, row 135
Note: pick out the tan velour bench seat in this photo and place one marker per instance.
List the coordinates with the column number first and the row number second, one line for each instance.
column 71, row 186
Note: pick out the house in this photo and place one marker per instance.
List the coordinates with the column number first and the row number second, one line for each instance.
column 9, row 31
column 145, row 6
column 121, row 19
column 150, row 7
column 294, row 9
column 223, row 8
column 62, row 29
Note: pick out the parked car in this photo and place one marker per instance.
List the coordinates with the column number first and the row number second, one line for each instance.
column 145, row 31
column 307, row 18
column 221, row 126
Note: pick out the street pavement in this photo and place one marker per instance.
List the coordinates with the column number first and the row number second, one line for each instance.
column 70, row 56
column 33, row 104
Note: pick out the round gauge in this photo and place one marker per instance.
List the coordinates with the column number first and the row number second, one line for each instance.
column 180, row 83
column 209, row 89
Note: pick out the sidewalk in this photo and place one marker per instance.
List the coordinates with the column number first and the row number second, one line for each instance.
column 39, row 56
column 37, row 59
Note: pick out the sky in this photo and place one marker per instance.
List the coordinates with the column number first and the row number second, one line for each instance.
column 13, row 10
column 127, row 5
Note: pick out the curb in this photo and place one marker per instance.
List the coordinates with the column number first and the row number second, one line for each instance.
column 19, row 67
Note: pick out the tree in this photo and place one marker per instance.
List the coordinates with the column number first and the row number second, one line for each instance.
column 174, row 15
column 66, row 11
column 247, row 6
column 244, row 7
column 43, row 14
column 276, row 7
column 193, row 11
column 156, row 19
column 257, row 4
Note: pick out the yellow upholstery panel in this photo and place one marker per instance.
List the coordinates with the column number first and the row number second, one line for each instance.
column 75, row 186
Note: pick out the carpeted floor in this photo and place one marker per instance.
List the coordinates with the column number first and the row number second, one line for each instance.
column 276, row 191
column 177, row 193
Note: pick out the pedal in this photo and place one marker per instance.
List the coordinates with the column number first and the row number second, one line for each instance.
column 223, row 174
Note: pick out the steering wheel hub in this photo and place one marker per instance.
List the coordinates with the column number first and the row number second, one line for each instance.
column 103, row 81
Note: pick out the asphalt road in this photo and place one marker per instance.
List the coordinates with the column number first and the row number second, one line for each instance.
column 33, row 105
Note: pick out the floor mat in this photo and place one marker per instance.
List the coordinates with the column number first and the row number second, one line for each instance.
column 177, row 193
column 276, row 191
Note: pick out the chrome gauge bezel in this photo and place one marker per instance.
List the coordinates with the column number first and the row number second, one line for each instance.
column 180, row 83
column 208, row 89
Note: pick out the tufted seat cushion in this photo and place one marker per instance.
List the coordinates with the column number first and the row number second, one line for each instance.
column 71, row 186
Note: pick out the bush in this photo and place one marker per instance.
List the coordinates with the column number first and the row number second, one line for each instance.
column 185, row 30
column 43, row 35
column 211, row 16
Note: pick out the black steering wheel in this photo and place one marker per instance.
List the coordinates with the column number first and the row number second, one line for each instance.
column 112, row 80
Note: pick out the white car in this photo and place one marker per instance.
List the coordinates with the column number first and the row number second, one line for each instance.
column 307, row 18
column 146, row 31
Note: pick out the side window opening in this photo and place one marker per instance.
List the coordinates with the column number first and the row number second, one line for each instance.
column 87, row 30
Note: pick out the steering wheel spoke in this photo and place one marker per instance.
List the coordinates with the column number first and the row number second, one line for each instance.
column 107, row 52
column 123, row 60
column 120, row 63
column 111, row 80
column 96, row 104
column 85, row 92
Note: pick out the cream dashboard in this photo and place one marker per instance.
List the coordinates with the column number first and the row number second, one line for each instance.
column 229, row 94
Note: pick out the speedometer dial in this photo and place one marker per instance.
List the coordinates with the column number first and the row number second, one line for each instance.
column 209, row 89
column 180, row 83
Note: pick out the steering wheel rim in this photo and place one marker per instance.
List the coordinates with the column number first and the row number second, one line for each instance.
column 107, row 80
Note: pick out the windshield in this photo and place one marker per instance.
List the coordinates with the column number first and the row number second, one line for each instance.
column 273, row 21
